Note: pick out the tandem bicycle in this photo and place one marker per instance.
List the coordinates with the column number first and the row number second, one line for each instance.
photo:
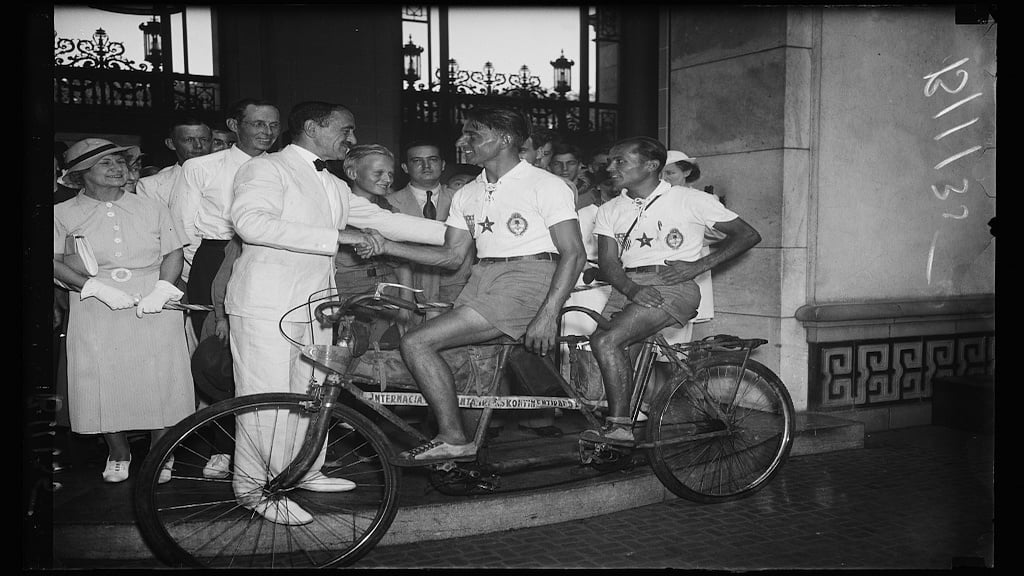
column 720, row 428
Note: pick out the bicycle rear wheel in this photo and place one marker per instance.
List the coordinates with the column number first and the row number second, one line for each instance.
column 196, row 521
column 722, row 434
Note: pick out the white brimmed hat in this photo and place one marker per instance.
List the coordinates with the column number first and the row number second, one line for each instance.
column 676, row 156
column 85, row 153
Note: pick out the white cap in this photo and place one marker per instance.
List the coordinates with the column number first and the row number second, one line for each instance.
column 675, row 156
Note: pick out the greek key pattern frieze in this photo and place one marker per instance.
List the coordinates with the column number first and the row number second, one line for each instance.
column 871, row 372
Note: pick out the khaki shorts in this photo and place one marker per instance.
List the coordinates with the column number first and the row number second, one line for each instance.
column 508, row 294
column 681, row 300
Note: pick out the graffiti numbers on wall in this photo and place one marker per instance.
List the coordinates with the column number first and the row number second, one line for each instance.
column 951, row 80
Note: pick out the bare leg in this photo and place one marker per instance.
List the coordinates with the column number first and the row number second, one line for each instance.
column 631, row 325
column 421, row 350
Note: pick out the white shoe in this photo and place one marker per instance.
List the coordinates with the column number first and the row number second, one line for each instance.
column 116, row 470
column 436, row 451
column 320, row 483
column 165, row 472
column 219, row 466
column 282, row 511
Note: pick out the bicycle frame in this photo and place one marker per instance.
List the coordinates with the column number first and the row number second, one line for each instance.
column 741, row 440
column 328, row 392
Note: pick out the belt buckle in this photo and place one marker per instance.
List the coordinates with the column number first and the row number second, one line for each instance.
column 120, row 274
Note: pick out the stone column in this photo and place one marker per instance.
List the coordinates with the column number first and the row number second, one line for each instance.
column 740, row 100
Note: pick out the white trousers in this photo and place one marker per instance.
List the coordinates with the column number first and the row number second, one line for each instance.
column 264, row 361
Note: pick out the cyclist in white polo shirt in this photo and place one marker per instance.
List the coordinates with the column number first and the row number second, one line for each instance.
column 522, row 220
column 649, row 244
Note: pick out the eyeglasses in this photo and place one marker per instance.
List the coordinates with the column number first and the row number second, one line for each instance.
column 261, row 125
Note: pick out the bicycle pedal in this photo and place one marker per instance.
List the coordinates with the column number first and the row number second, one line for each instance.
column 602, row 453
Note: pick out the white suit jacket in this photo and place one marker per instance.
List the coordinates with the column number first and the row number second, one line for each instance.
column 281, row 212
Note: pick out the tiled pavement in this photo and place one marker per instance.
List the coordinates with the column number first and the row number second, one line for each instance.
column 913, row 498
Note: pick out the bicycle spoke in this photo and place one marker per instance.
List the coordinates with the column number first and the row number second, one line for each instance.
column 200, row 521
column 753, row 414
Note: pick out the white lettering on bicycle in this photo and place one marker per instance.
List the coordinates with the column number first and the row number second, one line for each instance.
column 497, row 402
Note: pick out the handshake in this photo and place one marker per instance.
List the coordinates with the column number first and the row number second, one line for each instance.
column 367, row 242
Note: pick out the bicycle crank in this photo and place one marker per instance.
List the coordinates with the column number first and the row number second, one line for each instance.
column 605, row 457
column 462, row 480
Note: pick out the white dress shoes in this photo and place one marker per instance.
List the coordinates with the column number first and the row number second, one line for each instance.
column 116, row 470
column 282, row 511
column 219, row 466
column 319, row 483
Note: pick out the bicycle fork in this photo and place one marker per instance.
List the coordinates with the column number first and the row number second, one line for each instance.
column 323, row 400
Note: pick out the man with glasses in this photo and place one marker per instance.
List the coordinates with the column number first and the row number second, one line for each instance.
column 201, row 197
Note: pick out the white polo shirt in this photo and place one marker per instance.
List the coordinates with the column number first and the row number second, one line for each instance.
column 511, row 217
column 670, row 226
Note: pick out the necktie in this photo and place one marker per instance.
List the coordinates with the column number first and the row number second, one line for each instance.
column 429, row 210
column 320, row 165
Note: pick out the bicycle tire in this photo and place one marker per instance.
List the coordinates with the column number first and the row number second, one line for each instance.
column 195, row 521
column 734, row 451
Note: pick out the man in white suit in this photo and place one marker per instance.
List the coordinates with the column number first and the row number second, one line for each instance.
column 426, row 197
column 291, row 214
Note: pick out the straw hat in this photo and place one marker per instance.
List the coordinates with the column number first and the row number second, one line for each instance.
column 85, row 153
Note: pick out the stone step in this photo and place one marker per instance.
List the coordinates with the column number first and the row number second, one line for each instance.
column 817, row 433
column 95, row 522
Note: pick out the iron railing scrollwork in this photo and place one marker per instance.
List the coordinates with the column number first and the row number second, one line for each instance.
column 133, row 90
column 96, row 74
column 99, row 52
column 424, row 112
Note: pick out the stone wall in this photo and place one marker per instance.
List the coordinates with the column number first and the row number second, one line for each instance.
column 820, row 127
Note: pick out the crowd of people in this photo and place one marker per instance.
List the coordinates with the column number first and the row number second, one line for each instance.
column 250, row 226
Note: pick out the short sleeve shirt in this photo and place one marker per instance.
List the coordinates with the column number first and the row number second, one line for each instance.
column 511, row 217
column 132, row 232
column 670, row 224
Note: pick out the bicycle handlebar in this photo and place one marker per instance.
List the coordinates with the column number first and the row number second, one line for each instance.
column 597, row 316
column 376, row 296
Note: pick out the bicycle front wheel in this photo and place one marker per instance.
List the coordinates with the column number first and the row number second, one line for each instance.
column 723, row 433
column 195, row 519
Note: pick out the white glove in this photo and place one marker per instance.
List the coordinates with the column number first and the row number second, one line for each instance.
column 115, row 298
column 154, row 302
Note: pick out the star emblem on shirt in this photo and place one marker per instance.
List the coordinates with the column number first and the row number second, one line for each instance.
column 645, row 241
column 486, row 225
